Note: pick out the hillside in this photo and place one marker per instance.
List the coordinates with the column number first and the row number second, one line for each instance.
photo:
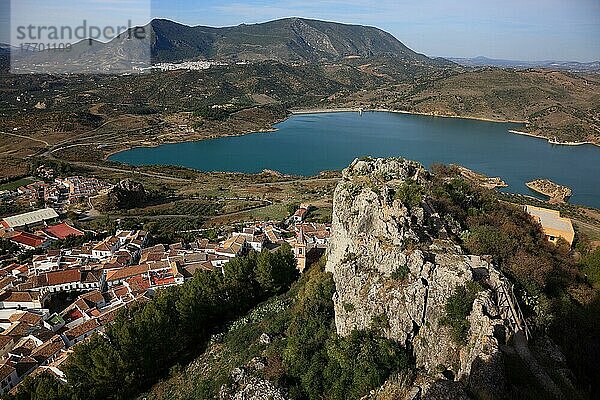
column 290, row 39
column 308, row 67
column 410, row 303
column 561, row 106
column 136, row 110
column 405, row 309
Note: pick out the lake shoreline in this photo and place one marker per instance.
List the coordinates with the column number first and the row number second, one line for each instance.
column 312, row 144
column 550, row 140
column 306, row 111
column 338, row 110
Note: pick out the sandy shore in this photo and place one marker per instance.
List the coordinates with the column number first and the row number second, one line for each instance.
column 322, row 110
column 552, row 141
column 334, row 110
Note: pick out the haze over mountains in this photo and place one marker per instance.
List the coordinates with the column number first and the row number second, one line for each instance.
column 481, row 61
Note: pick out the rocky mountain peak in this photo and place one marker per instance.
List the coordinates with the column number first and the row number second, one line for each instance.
column 395, row 270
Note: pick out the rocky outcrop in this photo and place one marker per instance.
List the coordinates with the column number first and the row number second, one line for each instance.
column 126, row 194
column 247, row 385
column 394, row 270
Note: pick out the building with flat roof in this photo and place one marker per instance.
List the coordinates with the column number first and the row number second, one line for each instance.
column 29, row 218
column 553, row 225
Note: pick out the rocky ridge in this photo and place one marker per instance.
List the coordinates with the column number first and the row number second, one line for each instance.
column 395, row 268
column 125, row 194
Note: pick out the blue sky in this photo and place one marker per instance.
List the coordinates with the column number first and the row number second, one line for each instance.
column 511, row 29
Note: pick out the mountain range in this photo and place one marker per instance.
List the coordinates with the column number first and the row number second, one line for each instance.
column 481, row 61
column 289, row 40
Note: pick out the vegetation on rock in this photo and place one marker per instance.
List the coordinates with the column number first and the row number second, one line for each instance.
column 552, row 289
column 458, row 307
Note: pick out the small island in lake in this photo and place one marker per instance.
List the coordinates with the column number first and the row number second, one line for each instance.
column 556, row 193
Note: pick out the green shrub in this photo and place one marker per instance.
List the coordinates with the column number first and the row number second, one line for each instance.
column 400, row 273
column 410, row 193
column 349, row 257
column 326, row 366
column 212, row 114
column 590, row 266
column 348, row 307
column 457, row 309
column 292, row 207
column 380, row 322
column 148, row 338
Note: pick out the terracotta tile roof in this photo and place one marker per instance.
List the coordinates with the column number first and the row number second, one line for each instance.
column 22, row 268
column 20, row 297
column 93, row 312
column 62, row 277
column 27, row 344
column 195, row 257
column 272, row 235
column 20, row 329
column 137, row 284
column 82, row 304
column 234, row 244
column 4, row 340
column 155, row 256
column 90, row 277
column 301, row 212
column 122, row 273
column 190, row 269
column 27, row 317
column 161, row 248
column 110, row 315
column 62, row 231
column 82, row 329
column 94, row 297
column 102, row 246
column 121, row 291
column 5, row 371
column 4, row 282
column 28, row 239
column 71, row 314
column 48, row 349
column 158, row 265
column 203, row 244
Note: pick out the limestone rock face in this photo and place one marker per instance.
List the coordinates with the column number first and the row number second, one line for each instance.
column 248, row 386
column 126, row 194
column 394, row 270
